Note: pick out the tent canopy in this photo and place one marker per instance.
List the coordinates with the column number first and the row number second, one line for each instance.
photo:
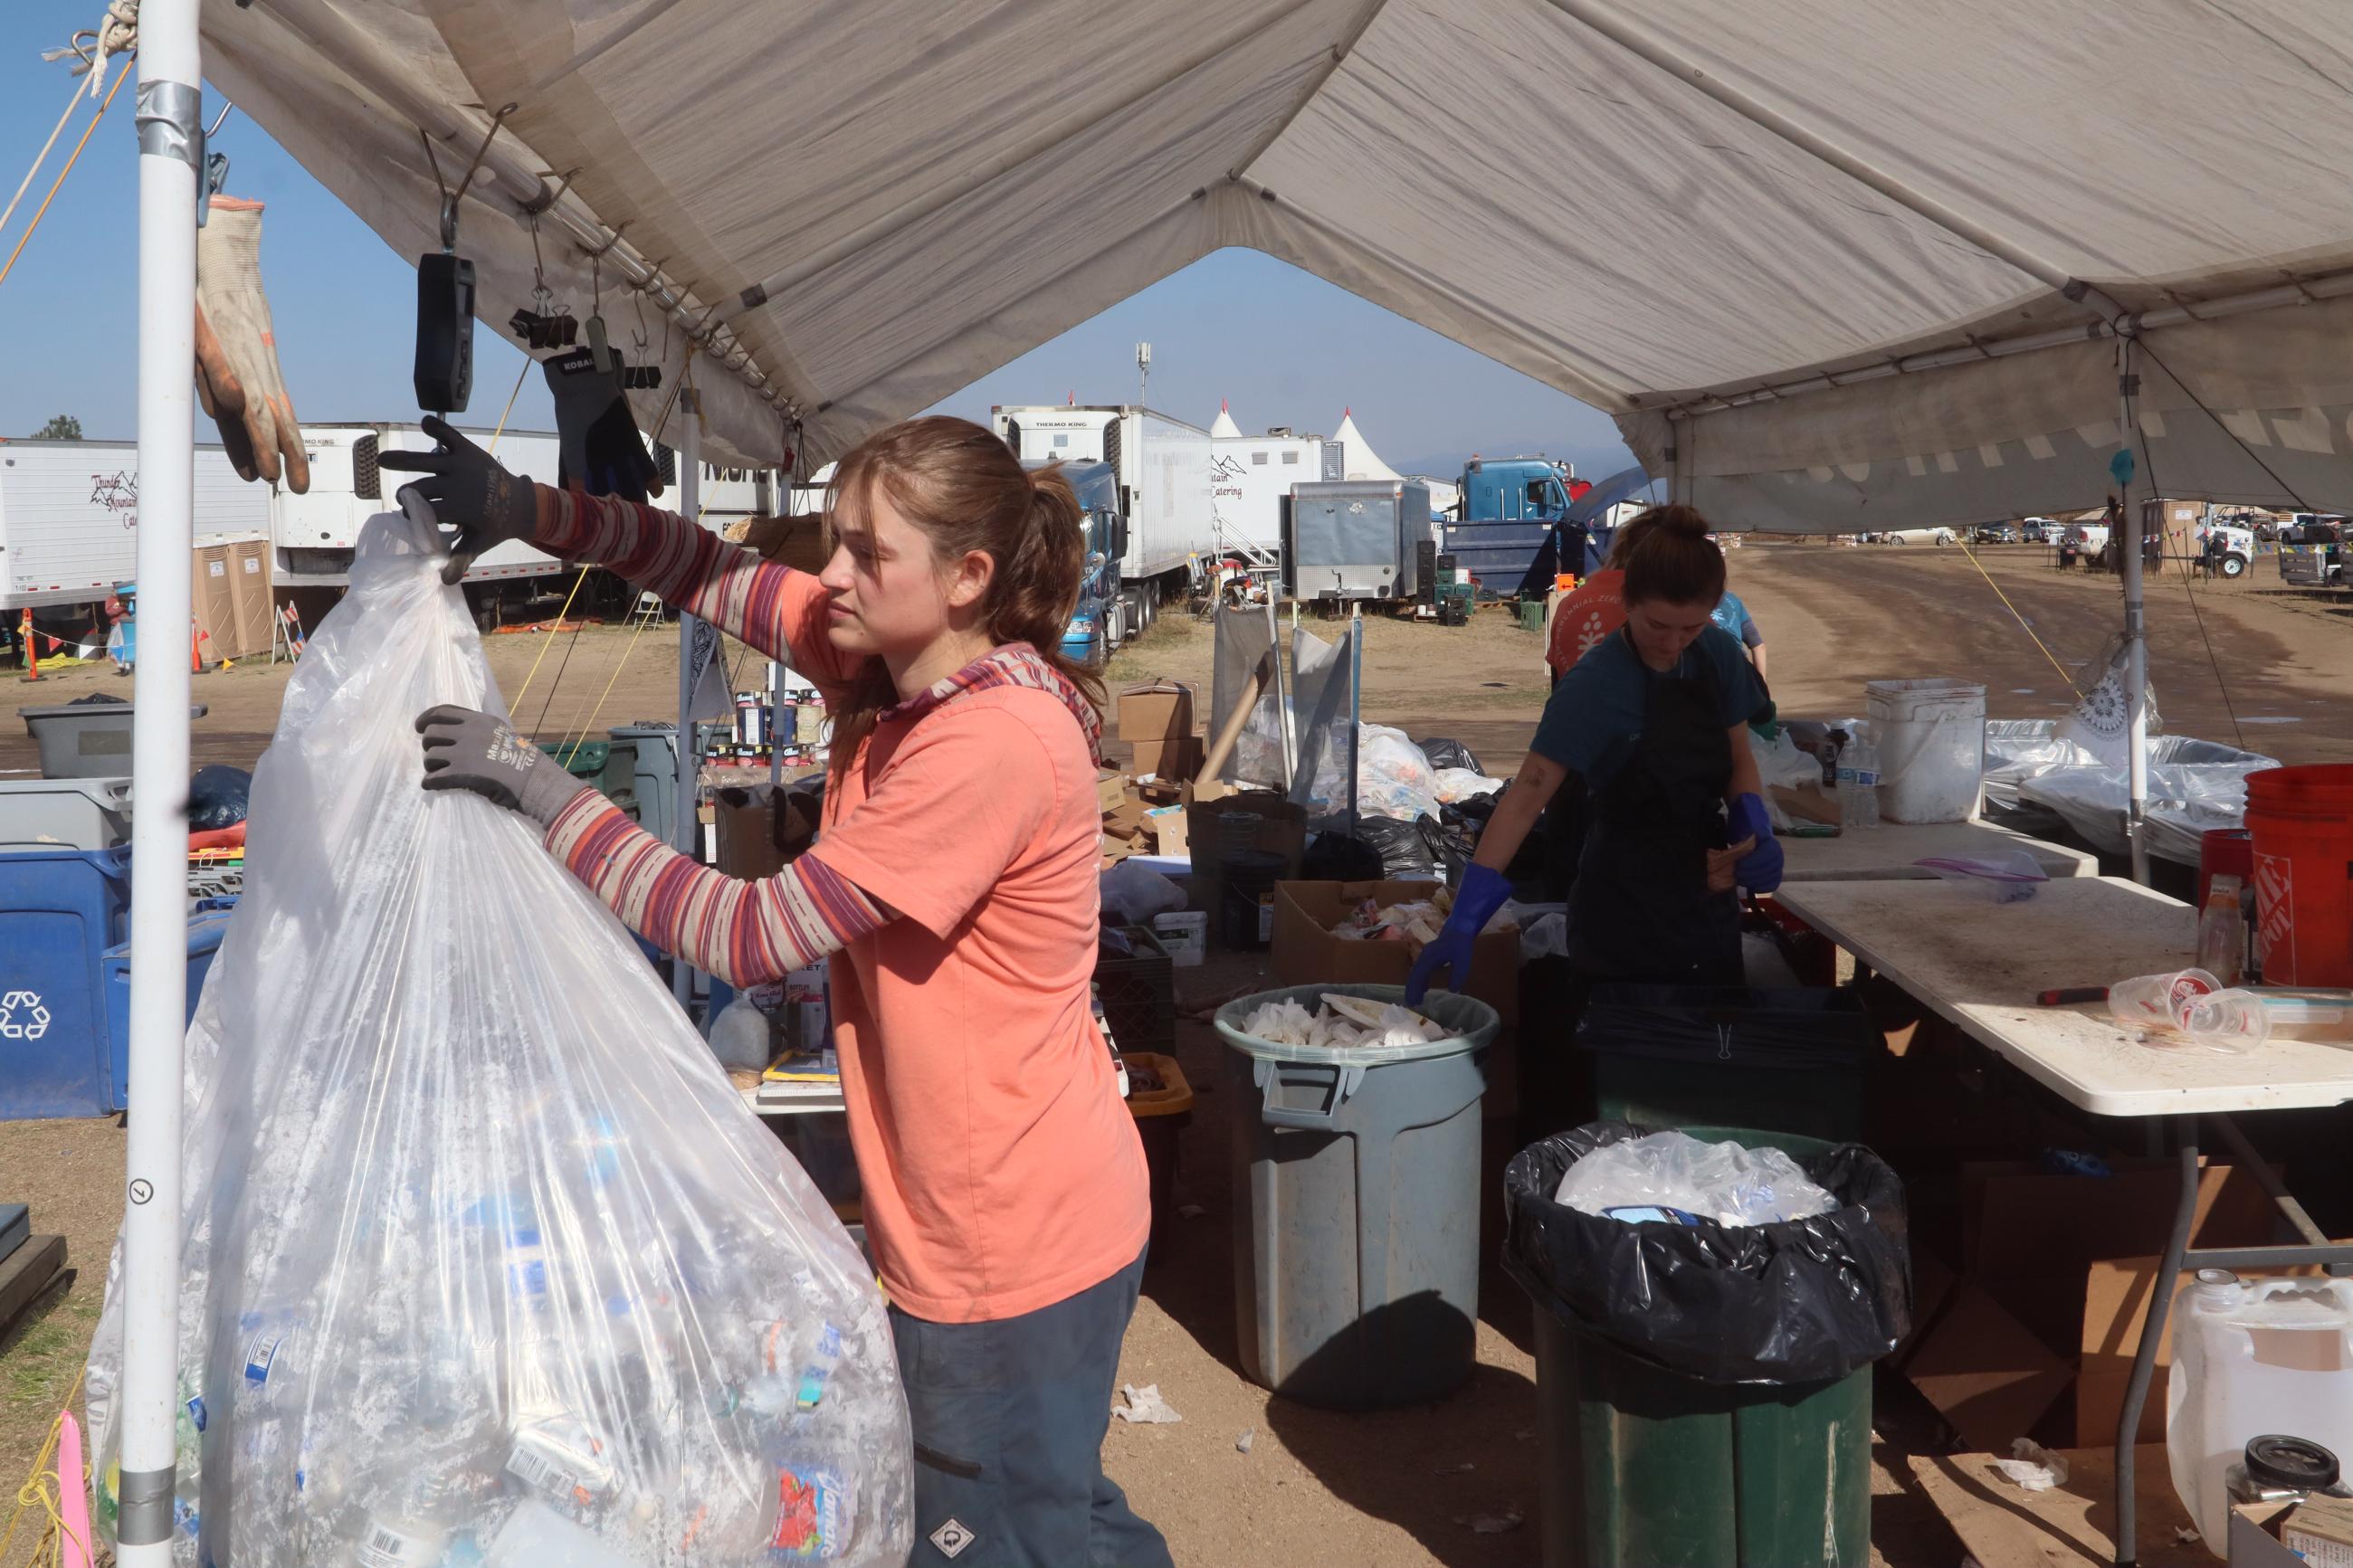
column 866, row 206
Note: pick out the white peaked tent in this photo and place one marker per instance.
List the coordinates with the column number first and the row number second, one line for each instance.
column 1361, row 461
column 1225, row 425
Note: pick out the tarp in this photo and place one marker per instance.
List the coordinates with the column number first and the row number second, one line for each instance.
column 881, row 202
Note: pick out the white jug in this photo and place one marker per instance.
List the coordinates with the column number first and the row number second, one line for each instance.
column 2269, row 1355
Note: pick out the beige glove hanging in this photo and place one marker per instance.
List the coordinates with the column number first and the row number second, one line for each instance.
column 238, row 378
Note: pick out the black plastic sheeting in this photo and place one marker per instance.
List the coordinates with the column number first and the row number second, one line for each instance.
column 217, row 796
column 1805, row 1301
column 1337, row 858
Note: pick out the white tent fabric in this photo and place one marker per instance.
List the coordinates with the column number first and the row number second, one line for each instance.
column 879, row 203
column 1356, row 453
column 1225, row 425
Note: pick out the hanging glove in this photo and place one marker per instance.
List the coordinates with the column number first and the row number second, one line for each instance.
column 470, row 751
column 238, row 378
column 1760, row 870
column 469, row 493
column 1482, row 892
column 601, row 450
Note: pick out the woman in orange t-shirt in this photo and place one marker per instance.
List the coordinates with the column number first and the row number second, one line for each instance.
column 1597, row 607
column 956, row 876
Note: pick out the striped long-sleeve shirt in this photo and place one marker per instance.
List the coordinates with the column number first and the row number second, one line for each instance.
column 743, row 932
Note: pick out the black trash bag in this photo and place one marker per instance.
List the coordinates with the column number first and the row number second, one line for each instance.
column 216, row 798
column 1805, row 1029
column 1805, row 1301
column 1450, row 844
column 94, row 698
column 1337, row 858
column 1443, row 753
column 1405, row 857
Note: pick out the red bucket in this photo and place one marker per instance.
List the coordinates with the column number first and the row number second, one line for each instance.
column 2224, row 852
column 2301, row 820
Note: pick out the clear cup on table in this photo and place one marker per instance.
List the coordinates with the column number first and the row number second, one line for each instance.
column 2156, row 1001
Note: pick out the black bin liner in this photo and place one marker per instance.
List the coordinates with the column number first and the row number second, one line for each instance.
column 1444, row 754
column 1405, row 856
column 1805, row 1301
column 217, row 797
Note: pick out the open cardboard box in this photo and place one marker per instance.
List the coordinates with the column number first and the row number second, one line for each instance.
column 761, row 829
column 1307, row 954
column 1157, row 719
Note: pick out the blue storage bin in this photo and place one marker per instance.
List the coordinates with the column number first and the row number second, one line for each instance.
column 206, row 928
column 59, row 912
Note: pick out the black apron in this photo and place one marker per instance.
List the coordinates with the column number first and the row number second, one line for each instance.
column 1640, row 911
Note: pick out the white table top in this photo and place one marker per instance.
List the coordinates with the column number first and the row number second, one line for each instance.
column 1980, row 965
column 1887, row 852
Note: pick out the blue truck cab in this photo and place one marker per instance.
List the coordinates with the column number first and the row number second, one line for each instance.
column 1093, row 632
column 1514, row 489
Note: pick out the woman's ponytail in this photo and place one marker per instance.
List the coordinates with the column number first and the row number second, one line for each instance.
column 1673, row 561
column 1037, row 587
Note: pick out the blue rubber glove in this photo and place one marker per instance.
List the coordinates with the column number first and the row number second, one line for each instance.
column 1760, row 870
column 1482, row 892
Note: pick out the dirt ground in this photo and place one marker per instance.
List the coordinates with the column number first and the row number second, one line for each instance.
column 1399, row 1488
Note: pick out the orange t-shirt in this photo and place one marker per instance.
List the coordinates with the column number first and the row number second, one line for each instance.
column 1002, row 1171
column 1592, row 611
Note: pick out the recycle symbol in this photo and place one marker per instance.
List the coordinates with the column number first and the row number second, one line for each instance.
column 22, row 1016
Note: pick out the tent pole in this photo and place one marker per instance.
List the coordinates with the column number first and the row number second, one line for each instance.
column 171, row 158
column 1624, row 33
column 686, row 824
column 2128, row 538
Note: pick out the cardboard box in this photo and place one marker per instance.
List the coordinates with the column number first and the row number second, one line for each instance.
column 1166, row 825
column 1156, row 718
column 2320, row 1532
column 1306, row 952
column 249, row 594
column 1984, row 1370
column 2116, row 1305
column 2031, row 1238
column 1111, row 789
column 760, row 830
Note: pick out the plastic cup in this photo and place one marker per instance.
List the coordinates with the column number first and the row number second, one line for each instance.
column 2227, row 1020
column 2158, row 1001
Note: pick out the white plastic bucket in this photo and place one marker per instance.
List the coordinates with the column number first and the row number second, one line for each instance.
column 1931, row 738
column 1185, row 934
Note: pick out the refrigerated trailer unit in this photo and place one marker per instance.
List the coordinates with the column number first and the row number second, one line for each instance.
column 1357, row 538
column 1162, row 467
column 314, row 534
column 69, row 516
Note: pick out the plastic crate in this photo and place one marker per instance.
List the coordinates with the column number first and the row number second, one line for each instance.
column 1139, row 994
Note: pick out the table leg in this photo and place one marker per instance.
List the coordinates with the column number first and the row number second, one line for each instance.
column 2161, row 1305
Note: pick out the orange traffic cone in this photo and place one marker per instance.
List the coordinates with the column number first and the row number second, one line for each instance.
column 32, row 649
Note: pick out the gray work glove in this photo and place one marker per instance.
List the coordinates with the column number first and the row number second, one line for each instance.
column 471, row 493
column 466, row 749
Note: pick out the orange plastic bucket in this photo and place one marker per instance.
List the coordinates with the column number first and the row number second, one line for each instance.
column 2302, row 822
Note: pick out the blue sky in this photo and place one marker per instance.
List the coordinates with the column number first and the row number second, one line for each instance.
column 1284, row 347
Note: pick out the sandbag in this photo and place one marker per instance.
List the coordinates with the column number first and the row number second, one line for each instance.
column 484, row 1261
column 1803, row 1302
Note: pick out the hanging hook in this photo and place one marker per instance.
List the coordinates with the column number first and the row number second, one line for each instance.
column 449, row 199
column 548, row 198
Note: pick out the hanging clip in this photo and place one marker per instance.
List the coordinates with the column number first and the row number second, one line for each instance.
column 543, row 327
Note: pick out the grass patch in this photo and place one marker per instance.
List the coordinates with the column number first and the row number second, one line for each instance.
column 42, row 1358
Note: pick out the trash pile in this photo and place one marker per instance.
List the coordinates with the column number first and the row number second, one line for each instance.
column 1341, row 1023
column 1414, row 920
column 483, row 1260
column 1675, row 1178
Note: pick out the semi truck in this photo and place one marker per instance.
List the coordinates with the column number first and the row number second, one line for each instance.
column 1161, row 471
column 1093, row 634
column 1509, row 510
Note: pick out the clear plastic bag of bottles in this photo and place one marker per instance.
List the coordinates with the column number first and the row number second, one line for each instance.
column 485, row 1262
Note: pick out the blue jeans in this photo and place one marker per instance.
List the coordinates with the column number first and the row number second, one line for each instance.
column 1009, row 1418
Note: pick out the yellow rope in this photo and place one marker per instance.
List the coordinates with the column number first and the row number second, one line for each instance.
column 527, row 362
column 40, row 1490
column 26, row 239
column 2023, row 626
column 517, row 704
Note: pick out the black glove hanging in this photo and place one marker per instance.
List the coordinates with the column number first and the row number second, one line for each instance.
column 600, row 448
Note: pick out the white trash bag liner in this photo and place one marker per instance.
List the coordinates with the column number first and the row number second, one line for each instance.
column 1724, row 1182
column 484, row 1259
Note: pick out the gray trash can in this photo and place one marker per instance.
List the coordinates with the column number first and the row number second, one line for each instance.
column 1356, row 1182
column 653, row 755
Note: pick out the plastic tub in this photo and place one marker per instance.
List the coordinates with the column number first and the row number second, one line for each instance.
column 85, row 739
column 1356, row 1205
column 206, row 928
column 1931, row 740
column 2302, row 823
column 1185, row 934
column 64, row 814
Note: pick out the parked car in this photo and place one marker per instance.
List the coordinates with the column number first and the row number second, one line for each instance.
column 1917, row 536
column 2038, row 530
column 1995, row 533
column 2088, row 536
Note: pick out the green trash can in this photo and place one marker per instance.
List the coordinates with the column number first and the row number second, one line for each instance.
column 1646, row 1466
column 1356, row 1182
